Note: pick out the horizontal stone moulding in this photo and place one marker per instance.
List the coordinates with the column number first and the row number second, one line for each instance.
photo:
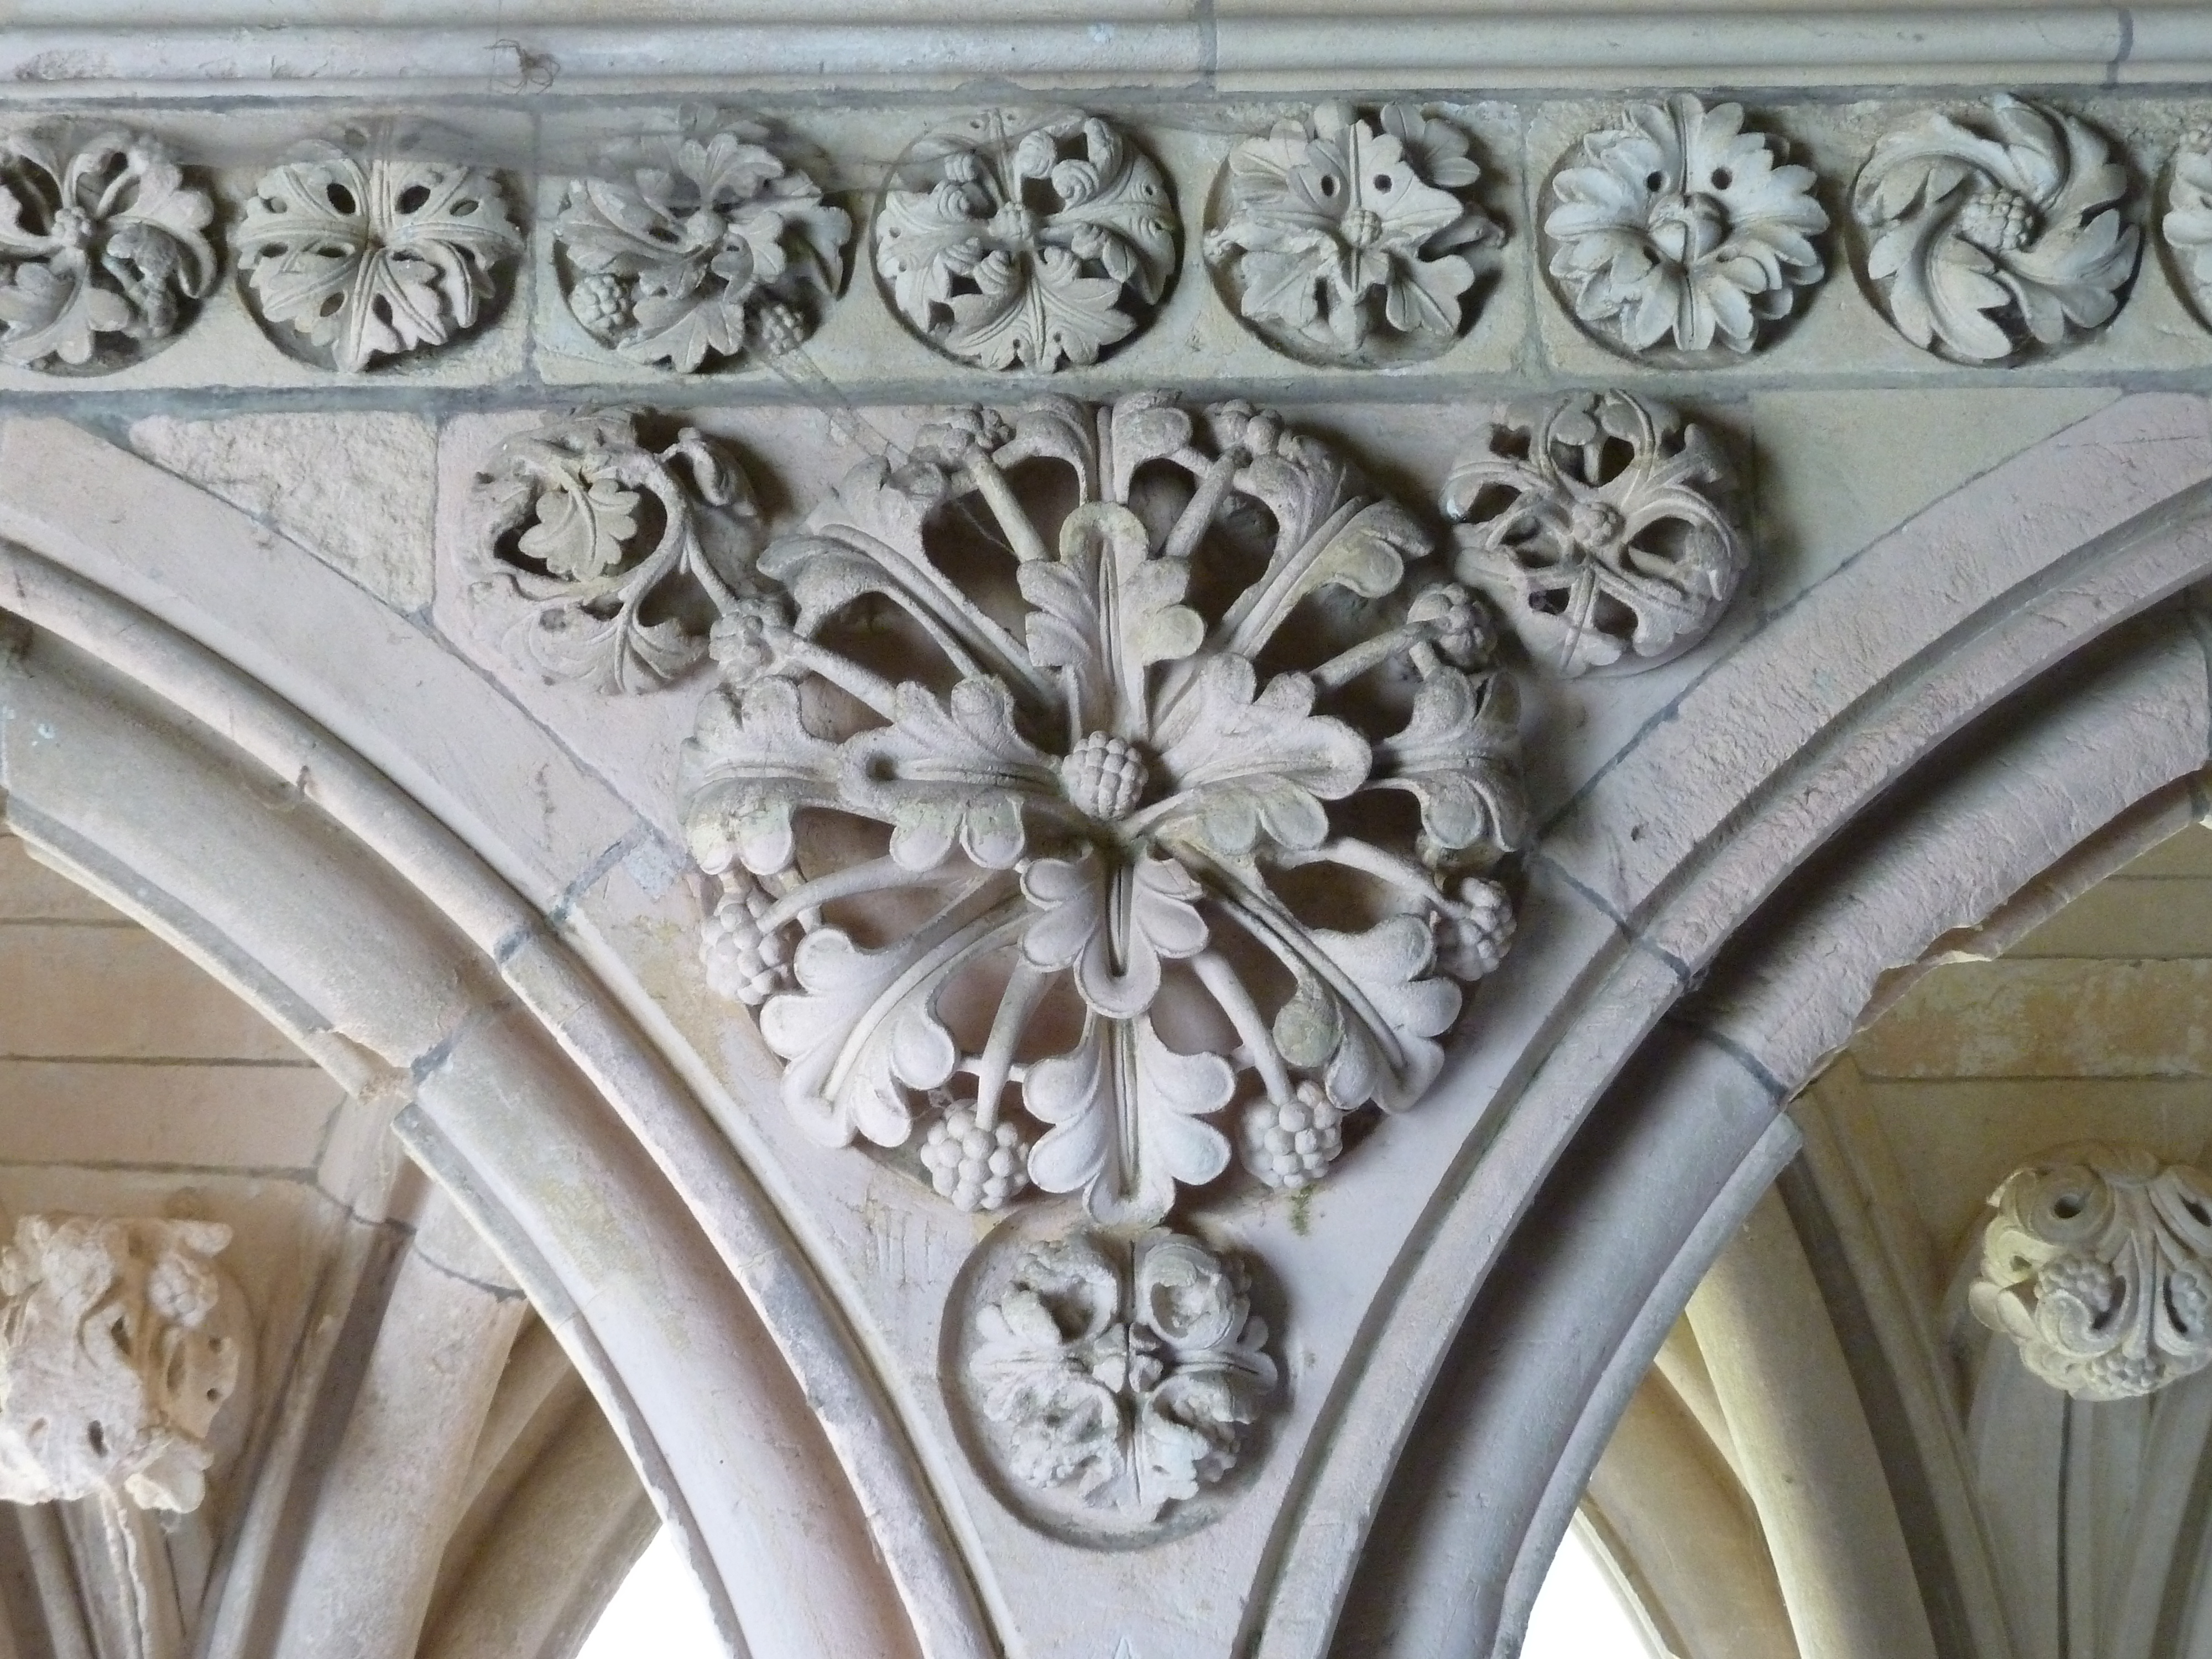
column 1639, row 46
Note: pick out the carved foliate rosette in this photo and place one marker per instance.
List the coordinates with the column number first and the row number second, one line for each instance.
column 119, row 1343
column 103, row 245
column 1996, row 234
column 1027, row 245
column 360, row 251
column 695, row 251
column 2097, row 1265
column 1345, row 237
column 1107, row 1378
column 1676, row 228
column 1127, row 691
column 1600, row 525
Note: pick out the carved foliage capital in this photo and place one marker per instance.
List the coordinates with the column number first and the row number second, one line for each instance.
column 2097, row 1265
column 119, row 1343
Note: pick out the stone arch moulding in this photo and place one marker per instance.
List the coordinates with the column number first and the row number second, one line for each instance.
column 213, row 811
column 330, row 862
column 1734, row 964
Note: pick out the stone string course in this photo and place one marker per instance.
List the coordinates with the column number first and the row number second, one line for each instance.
column 508, row 248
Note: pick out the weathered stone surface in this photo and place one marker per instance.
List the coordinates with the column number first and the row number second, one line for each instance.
column 370, row 518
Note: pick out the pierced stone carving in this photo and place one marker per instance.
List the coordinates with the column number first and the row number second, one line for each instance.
column 101, row 244
column 1598, row 524
column 620, row 557
column 367, row 253
column 1122, row 1372
column 710, row 248
column 1030, row 248
column 1994, row 240
column 118, row 1346
column 1105, row 770
column 2097, row 1265
column 1678, row 226
column 2187, row 226
column 1345, row 239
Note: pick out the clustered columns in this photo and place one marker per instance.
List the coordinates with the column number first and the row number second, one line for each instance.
column 1342, row 235
column 2097, row 1265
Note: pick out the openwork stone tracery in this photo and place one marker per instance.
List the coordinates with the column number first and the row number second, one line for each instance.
column 2097, row 1265
column 1107, row 767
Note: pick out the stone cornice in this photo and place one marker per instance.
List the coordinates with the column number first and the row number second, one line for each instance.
column 1615, row 49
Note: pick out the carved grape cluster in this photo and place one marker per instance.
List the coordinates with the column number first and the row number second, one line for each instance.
column 1104, row 798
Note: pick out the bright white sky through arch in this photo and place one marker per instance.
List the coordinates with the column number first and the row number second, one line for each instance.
column 659, row 1612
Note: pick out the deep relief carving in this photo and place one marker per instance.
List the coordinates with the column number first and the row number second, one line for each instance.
column 2097, row 1265
column 1344, row 238
column 1995, row 237
column 1598, row 524
column 1104, row 768
column 1677, row 228
column 2187, row 226
column 102, row 245
column 120, row 1344
column 1117, row 1376
column 703, row 250
column 1026, row 247
column 614, row 558
column 364, row 252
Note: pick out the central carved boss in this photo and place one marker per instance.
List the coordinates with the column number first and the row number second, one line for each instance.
column 1183, row 784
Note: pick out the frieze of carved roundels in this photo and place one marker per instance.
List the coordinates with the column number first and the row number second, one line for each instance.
column 1600, row 526
column 120, row 1343
column 700, row 251
column 2187, row 226
column 1676, row 230
column 611, row 557
column 1131, row 883
column 1345, row 237
column 103, row 246
column 1997, row 233
column 1112, row 1380
column 1027, row 244
column 2097, row 1265
column 358, row 251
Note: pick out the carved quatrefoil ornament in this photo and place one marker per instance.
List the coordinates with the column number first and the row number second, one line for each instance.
column 1995, row 236
column 1114, row 1386
column 1106, row 769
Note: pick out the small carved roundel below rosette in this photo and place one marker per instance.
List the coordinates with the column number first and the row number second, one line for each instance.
column 1115, row 1387
column 1101, row 778
column 1028, row 243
